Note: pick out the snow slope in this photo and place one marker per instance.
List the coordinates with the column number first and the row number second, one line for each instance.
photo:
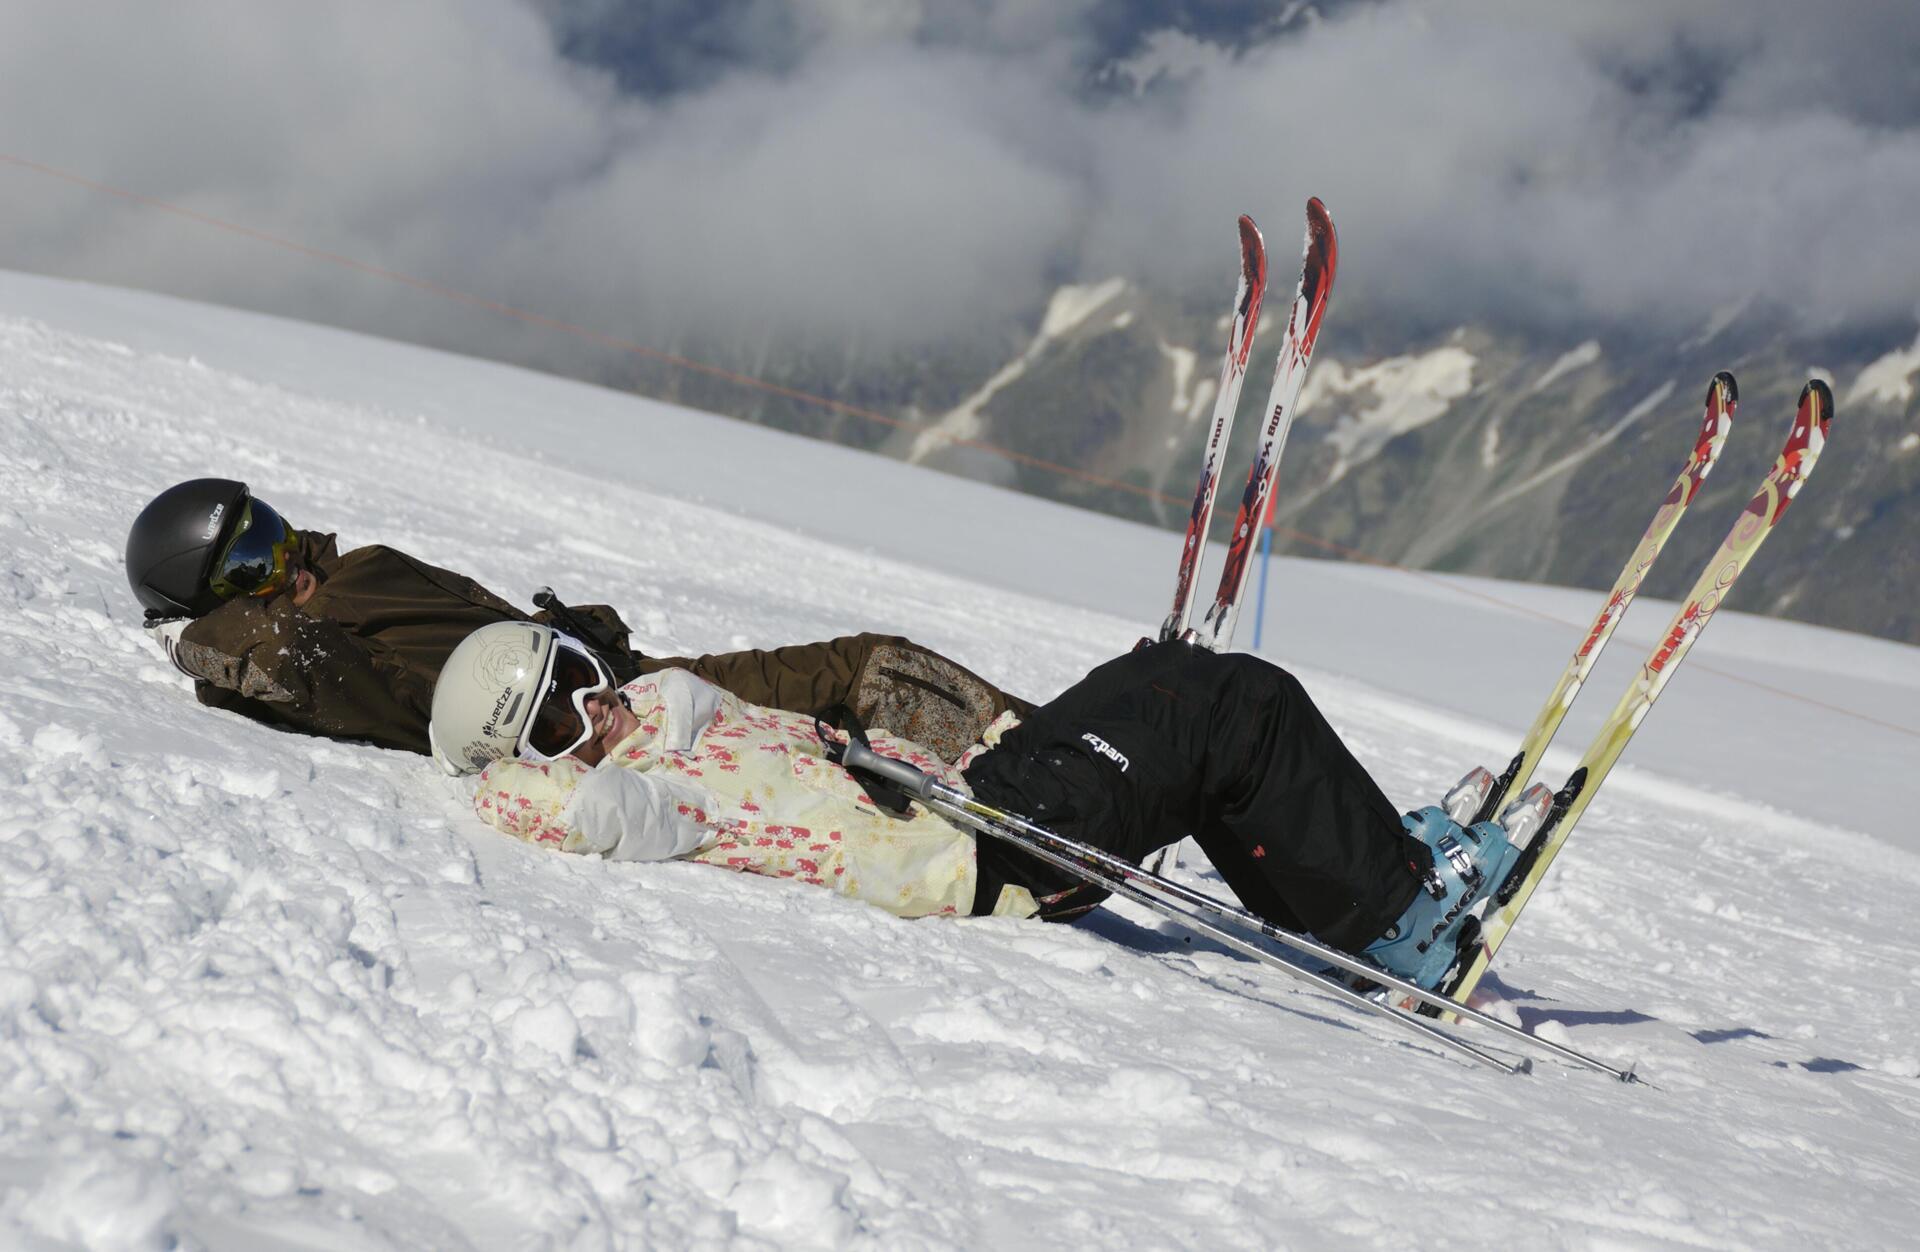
column 259, row 991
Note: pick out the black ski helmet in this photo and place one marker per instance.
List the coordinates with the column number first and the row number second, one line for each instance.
column 172, row 544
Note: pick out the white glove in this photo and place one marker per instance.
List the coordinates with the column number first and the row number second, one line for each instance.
column 628, row 815
column 166, row 632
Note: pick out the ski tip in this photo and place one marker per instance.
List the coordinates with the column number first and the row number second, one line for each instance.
column 1320, row 223
column 1253, row 256
column 1321, row 253
column 1816, row 401
column 1725, row 387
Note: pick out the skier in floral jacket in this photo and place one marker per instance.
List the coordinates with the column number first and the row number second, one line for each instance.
column 1168, row 741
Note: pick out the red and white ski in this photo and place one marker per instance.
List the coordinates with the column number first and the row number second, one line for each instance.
column 1320, row 258
column 1247, row 296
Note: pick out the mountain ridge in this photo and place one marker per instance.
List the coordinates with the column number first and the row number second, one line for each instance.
column 1473, row 450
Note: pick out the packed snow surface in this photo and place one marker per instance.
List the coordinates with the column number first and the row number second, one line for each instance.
column 265, row 991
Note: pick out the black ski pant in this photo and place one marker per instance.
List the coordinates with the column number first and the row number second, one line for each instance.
column 1174, row 740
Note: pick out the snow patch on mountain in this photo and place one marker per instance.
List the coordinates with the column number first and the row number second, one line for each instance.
column 1579, row 358
column 1717, row 323
column 1406, row 393
column 1888, row 380
column 1189, row 401
column 1069, row 307
column 1587, row 448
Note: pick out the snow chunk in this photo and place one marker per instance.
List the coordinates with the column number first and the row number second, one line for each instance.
column 550, row 1028
column 1888, row 380
column 1153, row 1091
column 17, row 992
column 1581, row 357
column 55, row 740
column 96, row 1201
column 665, row 1028
column 794, row 1202
column 1908, row 442
column 252, row 784
column 1408, row 392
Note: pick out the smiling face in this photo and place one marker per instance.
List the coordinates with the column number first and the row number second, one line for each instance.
column 612, row 721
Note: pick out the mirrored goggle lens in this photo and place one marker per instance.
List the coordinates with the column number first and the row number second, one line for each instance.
column 256, row 562
column 559, row 725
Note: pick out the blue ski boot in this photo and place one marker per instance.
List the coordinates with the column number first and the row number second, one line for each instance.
column 1469, row 864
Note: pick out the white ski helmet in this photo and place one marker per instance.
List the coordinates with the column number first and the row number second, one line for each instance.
column 497, row 682
column 485, row 694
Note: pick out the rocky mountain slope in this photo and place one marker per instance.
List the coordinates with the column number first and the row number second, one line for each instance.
column 1517, row 455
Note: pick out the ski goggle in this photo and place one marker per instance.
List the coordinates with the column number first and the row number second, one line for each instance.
column 560, row 723
column 259, row 557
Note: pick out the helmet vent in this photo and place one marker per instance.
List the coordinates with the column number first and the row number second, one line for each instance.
column 513, row 710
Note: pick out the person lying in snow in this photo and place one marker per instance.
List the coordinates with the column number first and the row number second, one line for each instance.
column 278, row 625
column 1167, row 741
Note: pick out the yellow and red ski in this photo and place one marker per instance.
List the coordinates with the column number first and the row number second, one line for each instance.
column 1790, row 470
column 1723, row 397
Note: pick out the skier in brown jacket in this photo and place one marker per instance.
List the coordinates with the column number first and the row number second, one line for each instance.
column 278, row 625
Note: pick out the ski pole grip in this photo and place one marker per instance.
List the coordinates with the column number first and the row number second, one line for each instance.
column 914, row 782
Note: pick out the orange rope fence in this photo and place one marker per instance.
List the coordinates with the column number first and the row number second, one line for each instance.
column 472, row 300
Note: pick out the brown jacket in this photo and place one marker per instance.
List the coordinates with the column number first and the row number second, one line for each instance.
column 360, row 658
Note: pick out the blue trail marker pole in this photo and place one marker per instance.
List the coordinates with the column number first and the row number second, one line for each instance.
column 1266, row 559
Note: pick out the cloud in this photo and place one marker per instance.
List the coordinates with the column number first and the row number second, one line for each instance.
column 894, row 174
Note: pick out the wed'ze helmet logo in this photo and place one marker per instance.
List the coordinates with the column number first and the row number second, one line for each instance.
column 213, row 521
column 504, row 664
column 1106, row 749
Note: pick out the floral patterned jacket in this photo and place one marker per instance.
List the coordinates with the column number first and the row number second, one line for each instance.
column 709, row 777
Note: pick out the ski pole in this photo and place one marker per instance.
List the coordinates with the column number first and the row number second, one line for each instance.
column 1141, row 880
column 544, row 598
column 1118, row 874
column 1119, row 886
